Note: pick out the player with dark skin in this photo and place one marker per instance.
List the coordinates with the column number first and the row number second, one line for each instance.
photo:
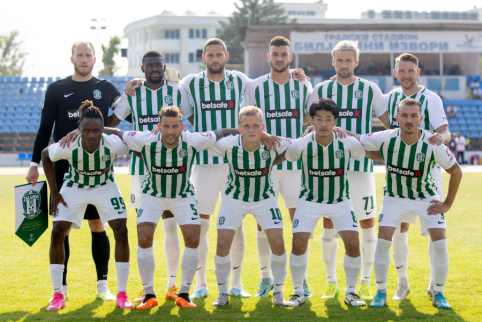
column 91, row 131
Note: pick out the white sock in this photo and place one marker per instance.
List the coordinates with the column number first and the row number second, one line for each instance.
column 278, row 265
column 352, row 266
column 102, row 286
column 264, row 254
column 440, row 264
column 56, row 271
column 430, row 258
column 307, row 254
column 189, row 263
column 368, row 246
column 172, row 249
column 147, row 266
column 237, row 256
column 222, row 268
column 329, row 247
column 400, row 255
column 203, row 254
column 298, row 267
column 65, row 288
column 122, row 269
column 382, row 262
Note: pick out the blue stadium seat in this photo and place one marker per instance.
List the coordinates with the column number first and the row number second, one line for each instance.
column 2, row 79
column 473, row 134
column 470, row 120
column 50, row 80
column 9, row 79
column 477, row 78
column 478, row 121
column 472, row 127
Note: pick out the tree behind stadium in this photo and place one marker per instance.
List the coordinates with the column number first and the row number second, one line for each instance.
column 12, row 58
column 108, row 57
column 260, row 12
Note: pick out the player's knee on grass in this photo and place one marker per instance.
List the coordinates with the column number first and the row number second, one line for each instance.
column 276, row 241
column 191, row 234
column 300, row 243
column 404, row 226
column 59, row 230
column 119, row 227
column 367, row 223
column 437, row 234
column 386, row 232
column 351, row 242
column 96, row 225
column 145, row 236
column 327, row 223
column 225, row 239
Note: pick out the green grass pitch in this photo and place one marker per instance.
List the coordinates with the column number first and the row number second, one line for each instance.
column 25, row 278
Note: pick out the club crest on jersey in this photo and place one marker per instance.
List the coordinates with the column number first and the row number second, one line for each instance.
column 139, row 213
column 221, row 220
column 295, row 94
column 229, row 85
column 31, row 204
column 168, row 99
column 133, row 198
column 105, row 158
column 358, row 94
column 404, row 172
column 265, row 155
column 380, row 218
column 295, row 223
column 182, row 153
column 339, row 154
column 420, row 157
column 97, row 94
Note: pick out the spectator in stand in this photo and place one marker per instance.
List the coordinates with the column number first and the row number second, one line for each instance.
column 381, row 70
column 372, row 69
column 474, row 84
column 477, row 93
column 452, row 144
column 461, row 143
column 452, row 111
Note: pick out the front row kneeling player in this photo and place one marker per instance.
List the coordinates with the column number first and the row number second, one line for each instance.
column 168, row 157
column 410, row 189
column 324, row 193
column 249, row 190
column 89, row 181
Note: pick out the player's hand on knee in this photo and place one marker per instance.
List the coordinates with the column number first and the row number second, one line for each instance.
column 437, row 207
column 309, row 130
column 173, row 75
column 129, row 89
column 341, row 132
column 71, row 137
column 32, row 175
column 56, row 200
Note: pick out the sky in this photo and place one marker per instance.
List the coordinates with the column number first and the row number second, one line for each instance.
column 49, row 27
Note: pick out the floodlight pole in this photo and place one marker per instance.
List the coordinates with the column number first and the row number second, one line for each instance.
column 98, row 25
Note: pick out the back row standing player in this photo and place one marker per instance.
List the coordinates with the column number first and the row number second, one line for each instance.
column 216, row 96
column 356, row 98
column 62, row 101
column 282, row 100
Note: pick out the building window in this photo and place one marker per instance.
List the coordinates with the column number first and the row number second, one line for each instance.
column 171, row 33
column 310, row 13
column 191, row 33
column 172, row 58
column 205, row 33
column 146, row 36
column 218, row 31
column 301, row 13
column 198, row 33
column 292, row 13
column 191, row 57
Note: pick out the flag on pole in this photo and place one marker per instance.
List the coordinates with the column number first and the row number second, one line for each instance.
column 31, row 211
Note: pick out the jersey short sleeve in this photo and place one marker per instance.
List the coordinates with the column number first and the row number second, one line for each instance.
column 444, row 156
column 373, row 141
column 284, row 144
column 245, row 80
column 314, row 96
column 56, row 152
column 219, row 149
column 137, row 140
column 294, row 151
column 309, row 92
column 378, row 103
column 184, row 83
column 249, row 95
column 185, row 106
column 201, row 141
column 122, row 109
column 116, row 144
column 357, row 150
column 436, row 112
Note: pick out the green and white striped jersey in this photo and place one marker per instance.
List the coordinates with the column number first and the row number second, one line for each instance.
column 216, row 104
column 356, row 102
column 145, row 107
column 168, row 169
column 249, row 178
column 408, row 167
column 283, row 107
column 89, row 170
column 432, row 108
column 324, row 176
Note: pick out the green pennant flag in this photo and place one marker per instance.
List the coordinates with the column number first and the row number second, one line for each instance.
column 31, row 211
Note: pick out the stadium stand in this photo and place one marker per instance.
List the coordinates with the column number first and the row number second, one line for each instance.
column 21, row 100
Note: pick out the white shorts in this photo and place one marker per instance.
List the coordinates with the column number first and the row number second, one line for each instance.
column 136, row 183
column 184, row 209
column 232, row 213
column 395, row 209
column 308, row 213
column 437, row 177
column 107, row 199
column 363, row 194
column 209, row 181
column 288, row 183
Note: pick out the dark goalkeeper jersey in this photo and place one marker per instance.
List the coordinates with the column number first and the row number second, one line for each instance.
column 62, row 101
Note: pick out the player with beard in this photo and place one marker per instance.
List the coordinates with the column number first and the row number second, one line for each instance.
column 282, row 100
column 434, row 119
column 216, row 94
column 357, row 99
column 62, row 101
column 156, row 92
